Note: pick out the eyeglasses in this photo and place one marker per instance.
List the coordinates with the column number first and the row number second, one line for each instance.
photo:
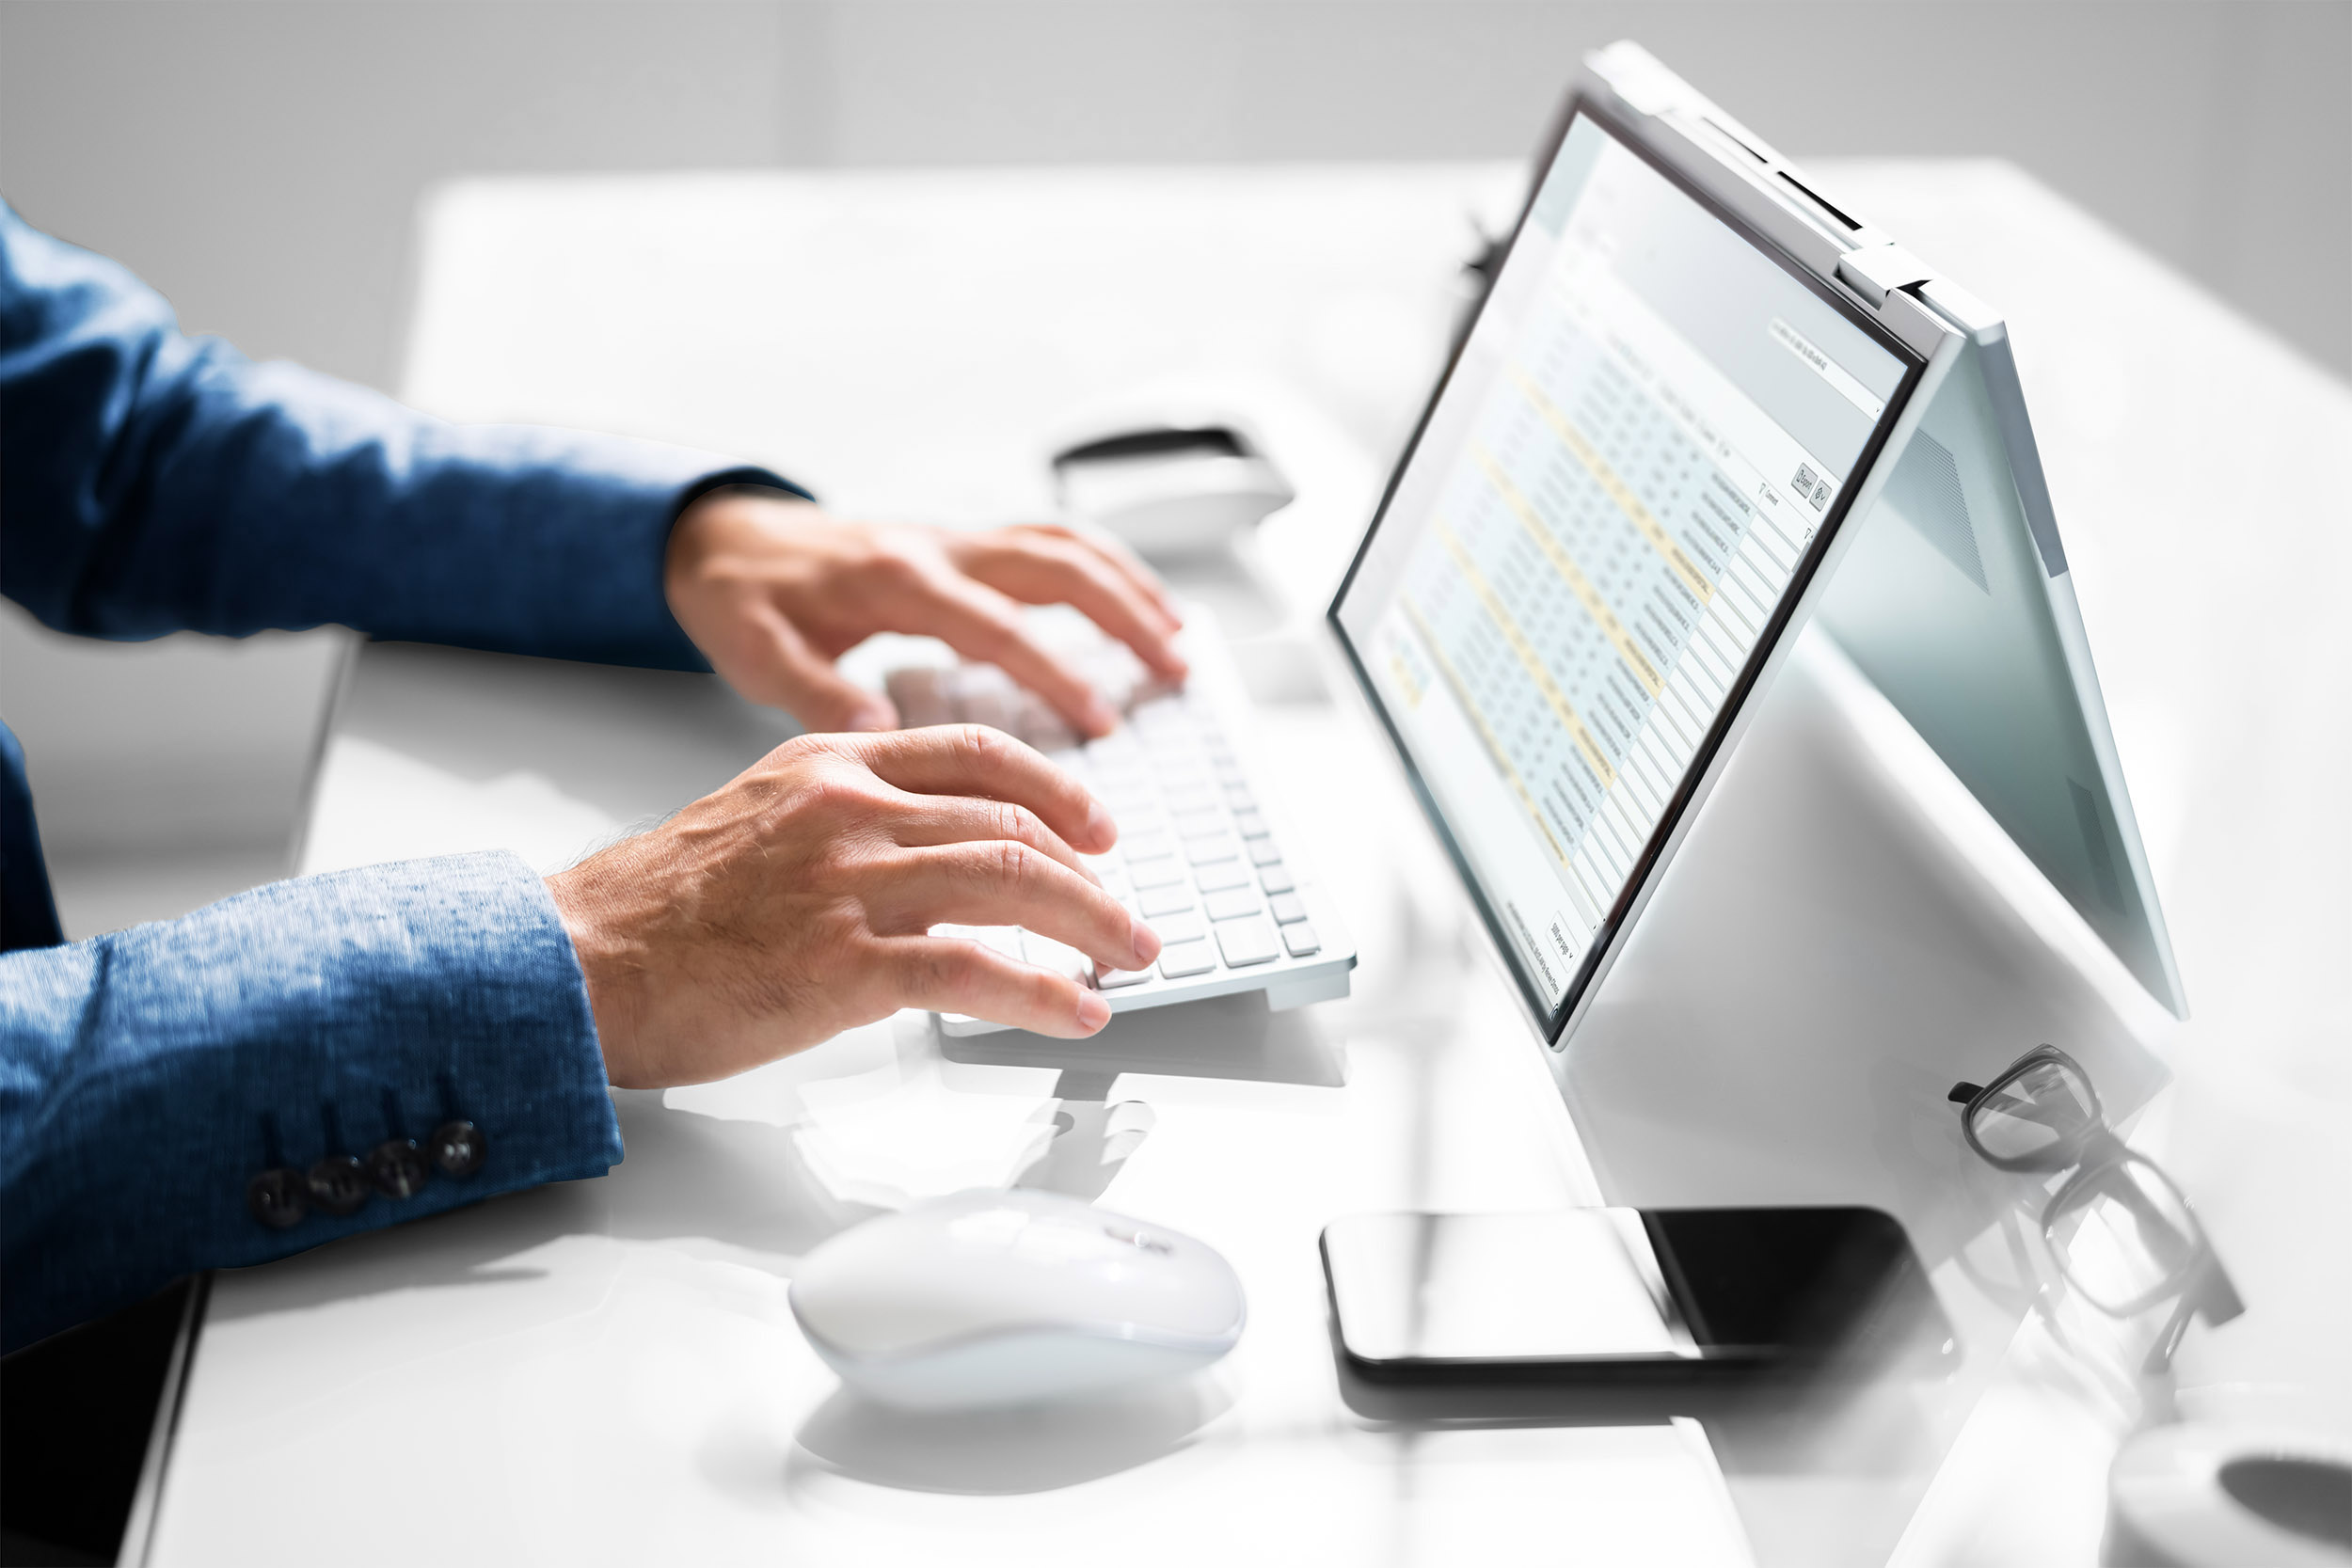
column 2122, row 1235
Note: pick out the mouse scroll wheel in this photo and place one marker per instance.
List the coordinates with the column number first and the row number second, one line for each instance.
column 1144, row 1241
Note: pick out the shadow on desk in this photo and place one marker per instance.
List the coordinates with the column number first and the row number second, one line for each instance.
column 999, row 1452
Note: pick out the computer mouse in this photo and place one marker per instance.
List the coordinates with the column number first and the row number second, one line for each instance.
column 1000, row 1298
column 1174, row 487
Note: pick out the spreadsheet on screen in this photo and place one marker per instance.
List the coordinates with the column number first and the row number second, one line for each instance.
column 1610, row 497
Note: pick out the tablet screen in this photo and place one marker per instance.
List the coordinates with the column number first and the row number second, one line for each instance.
column 1614, row 500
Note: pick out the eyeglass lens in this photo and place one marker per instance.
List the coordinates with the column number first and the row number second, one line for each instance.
column 2043, row 1105
column 2135, row 1240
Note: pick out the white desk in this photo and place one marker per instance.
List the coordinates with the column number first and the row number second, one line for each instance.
column 605, row 1371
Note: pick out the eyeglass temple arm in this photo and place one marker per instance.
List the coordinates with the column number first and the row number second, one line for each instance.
column 2212, row 1297
column 2216, row 1297
column 1963, row 1093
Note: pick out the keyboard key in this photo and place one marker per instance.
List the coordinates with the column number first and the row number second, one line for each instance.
column 1061, row 958
column 1274, row 877
column 1149, row 844
column 1186, row 958
column 1262, row 852
column 1181, row 925
column 1203, row 823
column 1201, row 852
column 1115, row 756
column 1118, row 977
column 1224, row 874
column 1246, row 942
column 1167, row 871
column 1233, row 903
column 1238, row 798
column 1250, row 824
column 1300, row 939
column 1157, row 711
column 1000, row 938
column 1154, row 903
column 1117, row 781
column 1288, row 907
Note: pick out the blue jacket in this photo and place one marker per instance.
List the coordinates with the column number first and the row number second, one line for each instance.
column 245, row 1083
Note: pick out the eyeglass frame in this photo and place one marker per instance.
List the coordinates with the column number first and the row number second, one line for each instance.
column 2095, row 1153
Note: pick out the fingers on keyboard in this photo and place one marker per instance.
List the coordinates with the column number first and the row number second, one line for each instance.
column 1196, row 858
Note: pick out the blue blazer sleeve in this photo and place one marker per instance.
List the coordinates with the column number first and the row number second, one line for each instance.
column 153, row 483
column 148, row 1077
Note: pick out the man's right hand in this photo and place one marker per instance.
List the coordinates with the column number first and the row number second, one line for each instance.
column 797, row 902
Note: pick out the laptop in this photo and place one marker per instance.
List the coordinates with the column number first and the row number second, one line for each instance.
column 1700, row 402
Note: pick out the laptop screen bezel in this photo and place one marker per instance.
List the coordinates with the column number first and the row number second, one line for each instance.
column 1553, row 1021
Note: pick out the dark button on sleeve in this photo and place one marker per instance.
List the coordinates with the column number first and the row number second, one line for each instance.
column 339, row 1184
column 277, row 1197
column 460, row 1148
column 398, row 1167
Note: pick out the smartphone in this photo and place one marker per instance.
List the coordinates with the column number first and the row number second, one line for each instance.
column 1630, row 1296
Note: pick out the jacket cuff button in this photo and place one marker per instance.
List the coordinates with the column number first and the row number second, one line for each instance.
column 460, row 1148
column 339, row 1184
column 397, row 1167
column 278, row 1198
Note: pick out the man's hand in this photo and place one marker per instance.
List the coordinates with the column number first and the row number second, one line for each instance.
column 796, row 901
column 773, row 590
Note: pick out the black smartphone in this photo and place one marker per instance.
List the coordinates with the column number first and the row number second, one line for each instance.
column 1630, row 1296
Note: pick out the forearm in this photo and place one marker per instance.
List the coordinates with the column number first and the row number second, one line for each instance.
column 155, row 482
column 356, row 512
column 149, row 1076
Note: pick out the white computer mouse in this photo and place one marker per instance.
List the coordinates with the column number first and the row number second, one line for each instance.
column 996, row 1298
column 1172, row 487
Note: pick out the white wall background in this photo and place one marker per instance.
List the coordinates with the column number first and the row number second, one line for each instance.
column 260, row 163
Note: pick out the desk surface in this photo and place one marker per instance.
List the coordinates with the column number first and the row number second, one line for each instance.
column 605, row 1370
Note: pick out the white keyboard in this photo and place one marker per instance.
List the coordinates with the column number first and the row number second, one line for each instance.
column 1202, row 856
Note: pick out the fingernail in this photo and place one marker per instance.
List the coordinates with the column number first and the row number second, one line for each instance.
column 1093, row 1012
column 1146, row 942
column 1100, row 828
column 1100, row 717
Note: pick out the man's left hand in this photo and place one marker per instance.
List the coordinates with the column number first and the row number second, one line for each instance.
column 774, row 589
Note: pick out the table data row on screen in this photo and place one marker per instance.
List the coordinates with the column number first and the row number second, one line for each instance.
column 1603, row 561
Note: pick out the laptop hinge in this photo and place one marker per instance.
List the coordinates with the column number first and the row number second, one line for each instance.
column 1876, row 270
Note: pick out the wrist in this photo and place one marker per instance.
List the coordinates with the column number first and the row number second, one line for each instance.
column 718, row 527
column 606, row 968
